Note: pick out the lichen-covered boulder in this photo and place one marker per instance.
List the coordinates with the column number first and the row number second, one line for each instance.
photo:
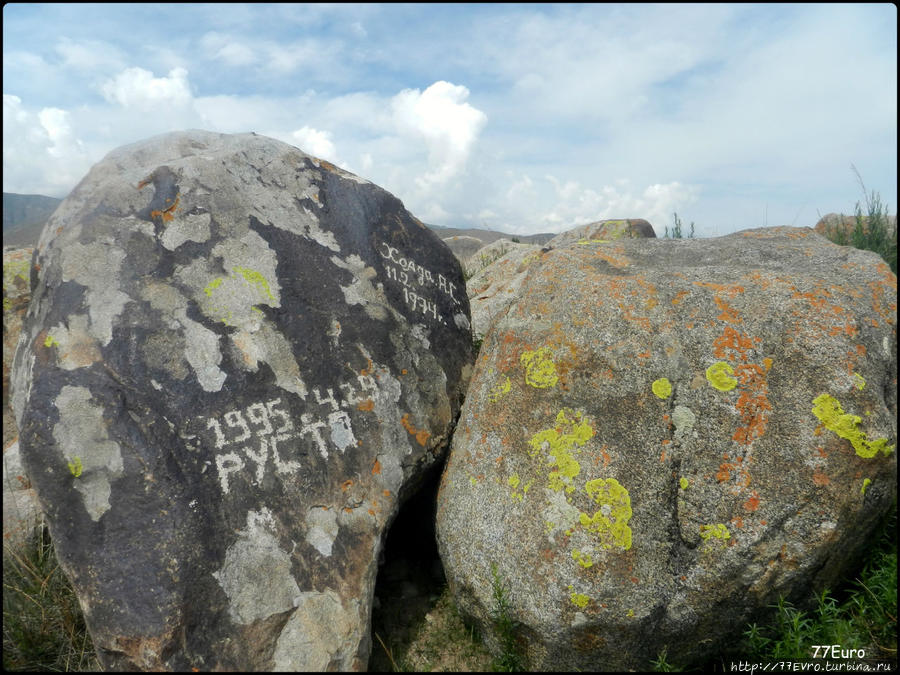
column 497, row 284
column 21, row 512
column 839, row 225
column 605, row 230
column 662, row 436
column 237, row 361
column 16, row 295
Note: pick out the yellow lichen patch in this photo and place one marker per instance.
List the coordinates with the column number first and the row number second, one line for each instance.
column 829, row 411
column 860, row 381
column 865, row 484
column 610, row 522
column 50, row 341
column 719, row 376
column 75, row 466
column 557, row 444
column 662, row 388
column 579, row 599
column 255, row 278
column 499, row 390
column 540, row 371
column 514, row 481
column 683, row 482
column 716, row 531
column 582, row 559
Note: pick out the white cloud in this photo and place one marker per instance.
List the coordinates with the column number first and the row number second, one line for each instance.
column 89, row 55
column 136, row 87
column 41, row 154
column 316, row 143
column 449, row 126
column 228, row 49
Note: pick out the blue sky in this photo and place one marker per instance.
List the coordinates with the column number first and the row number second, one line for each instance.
column 518, row 117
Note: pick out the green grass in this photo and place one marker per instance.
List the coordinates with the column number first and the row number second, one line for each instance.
column 43, row 626
column 510, row 659
column 872, row 230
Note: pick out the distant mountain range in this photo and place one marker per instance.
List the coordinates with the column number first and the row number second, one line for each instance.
column 24, row 217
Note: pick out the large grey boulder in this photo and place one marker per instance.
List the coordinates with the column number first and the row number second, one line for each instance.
column 662, row 436
column 238, row 361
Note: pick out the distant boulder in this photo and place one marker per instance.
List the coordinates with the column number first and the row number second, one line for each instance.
column 238, row 362
column 606, row 230
column 660, row 438
column 832, row 224
column 464, row 247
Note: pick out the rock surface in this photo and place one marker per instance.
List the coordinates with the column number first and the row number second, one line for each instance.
column 21, row 512
column 238, row 360
column 605, row 230
column 497, row 284
column 662, row 436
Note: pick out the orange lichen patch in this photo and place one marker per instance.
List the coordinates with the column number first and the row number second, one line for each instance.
column 167, row 212
column 731, row 289
column 679, row 296
column 861, row 349
column 724, row 472
column 738, row 343
column 420, row 434
column 820, row 478
column 613, row 254
column 887, row 311
column 752, row 404
column 143, row 183
column 729, row 314
column 644, row 355
column 366, row 406
column 346, row 485
column 386, row 493
column 753, row 503
column 738, row 521
column 767, row 364
column 376, row 468
column 662, row 457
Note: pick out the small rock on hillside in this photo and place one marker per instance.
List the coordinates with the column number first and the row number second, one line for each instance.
column 238, row 361
column 663, row 436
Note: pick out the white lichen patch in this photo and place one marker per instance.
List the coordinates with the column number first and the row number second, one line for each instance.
column 559, row 516
column 94, row 460
column 341, row 432
column 256, row 574
column 268, row 344
column 96, row 266
column 189, row 227
column 323, row 528
column 202, row 345
column 320, row 635
column 75, row 346
column 684, row 419
column 361, row 290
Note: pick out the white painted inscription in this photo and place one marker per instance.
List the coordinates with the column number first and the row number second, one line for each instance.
column 245, row 439
column 416, row 281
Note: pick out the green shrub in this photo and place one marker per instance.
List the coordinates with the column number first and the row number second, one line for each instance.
column 872, row 230
column 676, row 230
